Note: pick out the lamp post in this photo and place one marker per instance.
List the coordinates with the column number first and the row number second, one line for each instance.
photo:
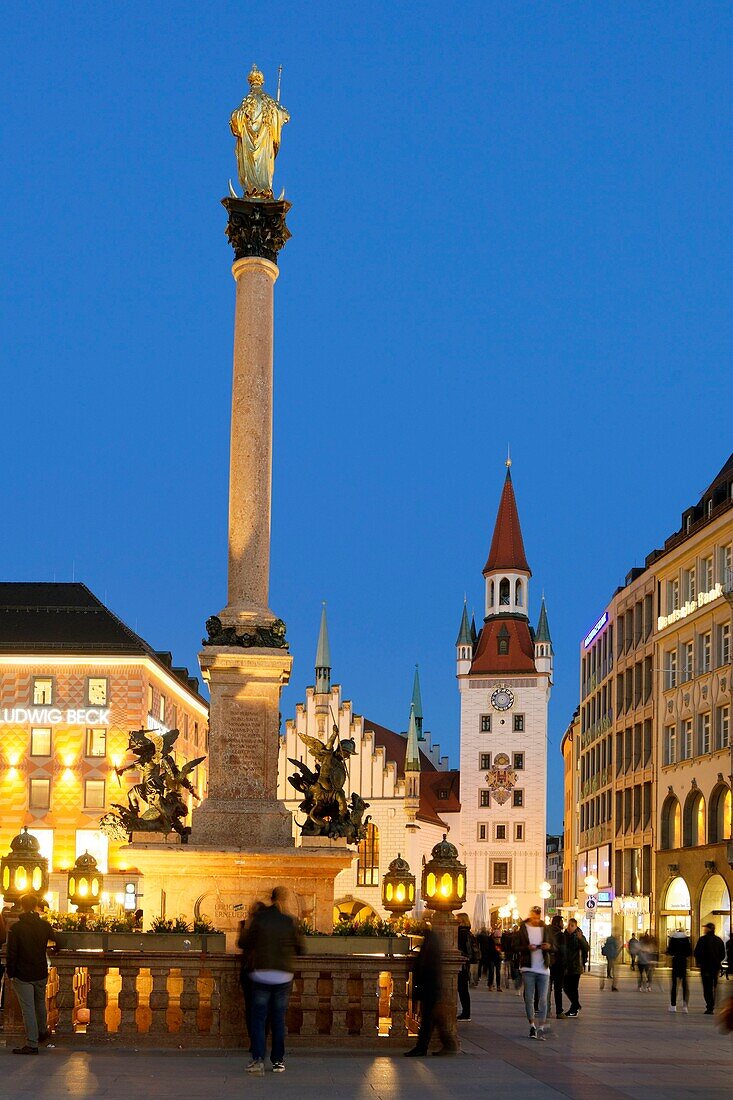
column 444, row 879
column 24, row 870
column 398, row 888
column 84, row 887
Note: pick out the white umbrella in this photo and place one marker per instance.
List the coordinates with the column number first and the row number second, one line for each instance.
column 480, row 911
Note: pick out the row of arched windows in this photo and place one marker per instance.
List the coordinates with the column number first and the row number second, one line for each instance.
column 695, row 824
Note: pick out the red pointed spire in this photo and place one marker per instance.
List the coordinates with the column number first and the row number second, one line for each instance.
column 507, row 546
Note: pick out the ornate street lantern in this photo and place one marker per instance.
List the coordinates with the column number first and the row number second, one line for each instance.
column 24, row 870
column 85, row 883
column 398, row 887
column 444, row 878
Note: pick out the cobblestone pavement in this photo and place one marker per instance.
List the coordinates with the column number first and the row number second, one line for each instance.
column 622, row 1044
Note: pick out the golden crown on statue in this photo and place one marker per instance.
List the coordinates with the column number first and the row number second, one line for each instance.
column 255, row 78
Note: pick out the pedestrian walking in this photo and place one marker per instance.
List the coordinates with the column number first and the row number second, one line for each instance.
column 709, row 955
column 427, row 990
column 535, row 942
column 633, row 946
column 272, row 941
column 27, row 967
column 466, row 947
column 679, row 950
column 610, row 952
column 728, row 957
column 493, row 962
column 557, row 964
column 646, row 958
column 245, row 967
column 576, row 956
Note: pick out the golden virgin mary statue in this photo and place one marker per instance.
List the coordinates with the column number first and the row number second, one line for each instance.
column 257, row 124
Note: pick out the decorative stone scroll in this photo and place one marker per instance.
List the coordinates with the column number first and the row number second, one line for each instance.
column 256, row 227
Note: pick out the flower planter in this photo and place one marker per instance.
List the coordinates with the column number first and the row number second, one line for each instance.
column 357, row 945
column 147, row 942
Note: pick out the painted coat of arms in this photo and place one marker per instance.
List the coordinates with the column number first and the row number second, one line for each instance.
column 501, row 778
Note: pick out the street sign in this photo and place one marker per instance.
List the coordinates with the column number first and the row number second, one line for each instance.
column 591, row 904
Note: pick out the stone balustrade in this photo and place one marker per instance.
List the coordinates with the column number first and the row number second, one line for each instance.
column 173, row 1000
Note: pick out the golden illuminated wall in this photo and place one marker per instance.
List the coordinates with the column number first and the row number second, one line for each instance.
column 68, row 766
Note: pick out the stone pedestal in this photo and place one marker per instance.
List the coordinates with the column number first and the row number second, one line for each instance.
column 242, row 808
column 222, row 883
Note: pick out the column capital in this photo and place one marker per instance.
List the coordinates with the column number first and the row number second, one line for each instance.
column 256, row 227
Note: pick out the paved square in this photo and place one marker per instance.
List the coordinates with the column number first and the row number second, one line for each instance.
column 622, row 1044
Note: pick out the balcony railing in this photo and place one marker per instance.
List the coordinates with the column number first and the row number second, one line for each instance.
column 172, row 1000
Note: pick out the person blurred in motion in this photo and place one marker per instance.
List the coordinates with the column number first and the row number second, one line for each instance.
column 427, row 989
column 557, row 964
column 466, row 944
column 610, row 952
column 679, row 950
column 272, row 941
column 245, row 966
column 576, row 956
column 535, row 942
column 728, row 956
column 709, row 955
column 646, row 960
column 633, row 946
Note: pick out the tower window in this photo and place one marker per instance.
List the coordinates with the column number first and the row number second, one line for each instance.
column 518, row 594
column 501, row 832
column 484, row 798
column 502, row 641
column 519, row 831
column 504, row 591
column 482, row 832
column 486, row 723
column 499, row 873
column 518, row 723
column 484, row 761
column 517, row 798
column 518, row 761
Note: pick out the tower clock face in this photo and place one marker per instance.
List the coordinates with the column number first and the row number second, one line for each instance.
column 502, row 699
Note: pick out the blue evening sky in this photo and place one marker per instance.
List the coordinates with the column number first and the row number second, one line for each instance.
column 511, row 222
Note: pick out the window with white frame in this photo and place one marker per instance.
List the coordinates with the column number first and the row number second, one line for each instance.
column 703, row 733
column 518, row 723
column 484, row 761
column 97, row 691
column 706, row 652
column 673, row 595
column 499, row 872
column 485, row 723
column 96, row 742
column 670, row 744
column 688, row 661
column 161, row 708
column 150, row 698
column 484, row 798
column 517, row 797
column 723, row 644
column 670, row 668
column 686, row 740
column 722, row 727
column 690, row 584
column 706, row 574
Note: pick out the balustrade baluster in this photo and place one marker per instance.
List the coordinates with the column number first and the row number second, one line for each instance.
column 189, row 999
column 398, row 1006
column 309, row 1002
column 339, row 1001
column 158, row 1000
column 65, row 997
column 128, row 997
column 97, row 998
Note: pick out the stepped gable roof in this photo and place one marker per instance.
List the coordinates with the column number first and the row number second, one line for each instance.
column 519, row 658
column 439, row 790
column 507, row 545
column 66, row 618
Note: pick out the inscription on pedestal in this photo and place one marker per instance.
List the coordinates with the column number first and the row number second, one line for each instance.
column 243, row 752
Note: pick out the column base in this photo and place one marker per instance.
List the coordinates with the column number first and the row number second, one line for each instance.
column 249, row 824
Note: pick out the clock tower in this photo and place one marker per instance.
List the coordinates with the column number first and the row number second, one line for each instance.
column 505, row 690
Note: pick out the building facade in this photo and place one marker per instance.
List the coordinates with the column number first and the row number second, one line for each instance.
column 554, row 873
column 413, row 796
column 647, row 772
column 74, row 680
column 504, row 679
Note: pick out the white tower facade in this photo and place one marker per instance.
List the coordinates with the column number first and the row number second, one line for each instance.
column 505, row 691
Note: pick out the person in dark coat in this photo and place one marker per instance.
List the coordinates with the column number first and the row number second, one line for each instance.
column 245, row 966
column 729, row 956
column 466, row 946
column 427, row 989
column 272, row 942
column 679, row 950
column 633, row 946
column 709, row 955
column 576, row 956
column 494, row 966
column 27, row 966
column 557, row 964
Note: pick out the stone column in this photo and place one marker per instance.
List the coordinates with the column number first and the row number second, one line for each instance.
column 250, row 469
